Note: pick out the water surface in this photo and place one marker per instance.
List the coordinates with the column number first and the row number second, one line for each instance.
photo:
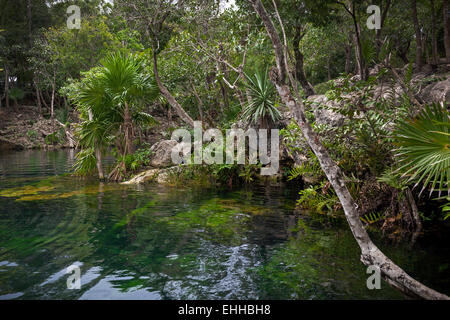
column 155, row 242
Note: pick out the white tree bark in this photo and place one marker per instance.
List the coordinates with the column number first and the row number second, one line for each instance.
column 370, row 254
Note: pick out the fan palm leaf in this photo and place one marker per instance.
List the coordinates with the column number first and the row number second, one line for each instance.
column 424, row 147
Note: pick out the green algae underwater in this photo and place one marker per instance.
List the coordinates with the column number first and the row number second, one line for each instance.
column 157, row 242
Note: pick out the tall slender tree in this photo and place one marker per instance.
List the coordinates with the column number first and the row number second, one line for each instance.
column 419, row 40
column 370, row 254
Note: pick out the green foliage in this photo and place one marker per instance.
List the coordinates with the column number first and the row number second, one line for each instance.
column 85, row 162
column 363, row 142
column 32, row 134
column 121, row 85
column 322, row 88
column 53, row 138
column 292, row 135
column 140, row 158
column 16, row 94
column 372, row 218
column 310, row 167
column 393, row 179
column 262, row 108
column 319, row 199
column 446, row 208
column 424, row 147
column 249, row 172
column 62, row 115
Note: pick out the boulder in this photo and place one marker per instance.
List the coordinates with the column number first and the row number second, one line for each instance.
column 154, row 175
column 437, row 91
column 162, row 151
column 142, row 177
column 323, row 114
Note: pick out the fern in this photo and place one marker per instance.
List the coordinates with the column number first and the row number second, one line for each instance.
column 372, row 218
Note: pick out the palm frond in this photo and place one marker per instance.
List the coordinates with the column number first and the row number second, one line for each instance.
column 262, row 92
column 424, row 147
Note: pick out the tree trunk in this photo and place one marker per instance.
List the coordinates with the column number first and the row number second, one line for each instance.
column 415, row 214
column 348, row 54
column 223, row 90
column 170, row 99
column 370, row 254
column 42, row 99
column 16, row 105
column 402, row 52
column 419, row 44
column 30, row 38
column 52, row 101
column 38, row 96
column 299, row 65
column 129, row 147
column 328, row 68
column 240, row 97
column 379, row 31
column 98, row 156
column 30, row 28
column 362, row 68
column 199, row 102
column 435, row 57
column 98, row 153
column 446, row 13
column 7, row 87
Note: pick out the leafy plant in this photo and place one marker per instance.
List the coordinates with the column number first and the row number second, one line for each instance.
column 318, row 198
column 446, row 208
column 110, row 99
column 424, row 147
column 262, row 108
column 52, row 138
column 85, row 161
column 32, row 134
column 372, row 217
column 140, row 158
column 16, row 94
column 249, row 172
column 311, row 167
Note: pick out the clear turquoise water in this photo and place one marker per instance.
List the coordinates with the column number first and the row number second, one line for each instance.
column 155, row 242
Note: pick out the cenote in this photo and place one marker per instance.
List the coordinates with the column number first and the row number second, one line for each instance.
column 158, row 242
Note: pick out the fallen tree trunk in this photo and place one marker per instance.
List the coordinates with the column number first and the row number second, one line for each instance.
column 370, row 254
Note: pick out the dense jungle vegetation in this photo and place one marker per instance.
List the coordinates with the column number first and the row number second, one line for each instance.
column 363, row 112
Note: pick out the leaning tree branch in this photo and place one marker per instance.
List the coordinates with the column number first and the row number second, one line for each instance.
column 370, row 254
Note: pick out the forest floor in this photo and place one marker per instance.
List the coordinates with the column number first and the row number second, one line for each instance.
column 26, row 128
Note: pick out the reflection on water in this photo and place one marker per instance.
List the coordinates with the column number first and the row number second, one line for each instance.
column 155, row 242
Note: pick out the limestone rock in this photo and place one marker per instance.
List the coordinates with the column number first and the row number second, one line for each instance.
column 162, row 151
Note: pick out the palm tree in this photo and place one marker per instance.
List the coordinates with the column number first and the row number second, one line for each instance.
column 110, row 99
column 424, row 147
column 261, row 109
